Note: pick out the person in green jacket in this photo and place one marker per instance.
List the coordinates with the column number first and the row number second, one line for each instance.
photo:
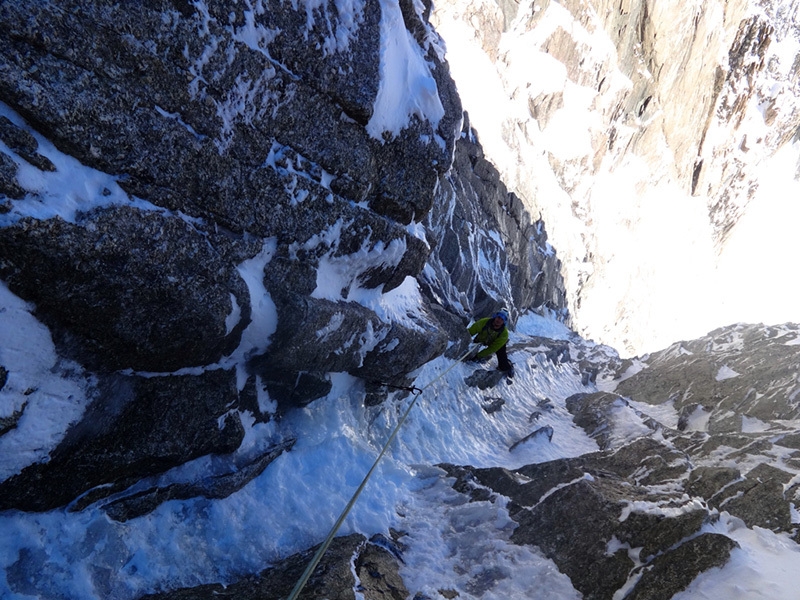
column 492, row 332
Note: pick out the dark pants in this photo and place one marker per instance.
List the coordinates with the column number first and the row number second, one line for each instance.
column 502, row 359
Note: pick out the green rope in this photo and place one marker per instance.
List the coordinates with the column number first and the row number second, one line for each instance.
column 318, row 555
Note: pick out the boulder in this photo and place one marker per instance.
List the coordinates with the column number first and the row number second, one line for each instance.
column 349, row 564
column 127, row 289
column 673, row 571
column 630, row 504
column 134, row 428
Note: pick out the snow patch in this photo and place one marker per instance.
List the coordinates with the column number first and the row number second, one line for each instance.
column 407, row 87
column 753, row 425
column 235, row 315
column 725, row 372
column 46, row 393
column 698, row 420
column 71, row 189
column 263, row 313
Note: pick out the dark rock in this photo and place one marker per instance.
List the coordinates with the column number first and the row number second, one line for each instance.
column 591, row 412
column 467, row 482
column 707, row 482
column 404, row 349
column 579, row 546
column 375, row 567
column 518, row 269
column 8, row 180
column 789, row 440
column 133, row 289
column 206, row 136
column 759, row 376
column 646, row 461
column 316, row 334
column 483, row 379
column 23, row 144
column 213, row 486
column 611, row 492
column 493, row 405
column 135, row 427
column 674, row 570
column 758, row 499
column 594, row 413
column 542, row 431
column 378, row 574
column 293, row 389
column 655, row 532
column 10, row 422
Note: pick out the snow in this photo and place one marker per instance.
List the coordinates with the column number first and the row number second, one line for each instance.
column 753, row 425
column 725, row 372
column 698, row 420
column 50, row 392
column 452, row 543
column 70, row 189
column 533, row 324
column 664, row 413
column 650, row 240
column 264, row 315
column 407, row 87
column 763, row 567
column 292, row 505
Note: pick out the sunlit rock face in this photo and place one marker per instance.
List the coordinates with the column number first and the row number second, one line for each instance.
column 640, row 131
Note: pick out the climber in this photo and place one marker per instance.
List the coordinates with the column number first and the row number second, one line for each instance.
column 492, row 333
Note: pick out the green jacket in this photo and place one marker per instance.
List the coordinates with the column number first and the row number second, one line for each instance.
column 486, row 336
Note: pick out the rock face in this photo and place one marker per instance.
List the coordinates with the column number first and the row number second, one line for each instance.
column 210, row 218
column 256, row 195
column 611, row 542
column 210, row 221
column 731, row 381
column 620, row 121
column 682, row 451
column 350, row 563
column 486, row 251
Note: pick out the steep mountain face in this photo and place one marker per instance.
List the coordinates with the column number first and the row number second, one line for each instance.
column 685, row 434
column 639, row 131
column 207, row 226
column 205, row 213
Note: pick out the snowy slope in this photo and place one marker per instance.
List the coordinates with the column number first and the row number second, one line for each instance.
column 450, row 544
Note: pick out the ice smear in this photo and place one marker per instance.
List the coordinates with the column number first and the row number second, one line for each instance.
column 725, row 372
column 407, row 87
column 263, row 314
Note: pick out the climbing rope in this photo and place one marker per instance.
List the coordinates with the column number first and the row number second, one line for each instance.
column 318, row 555
column 408, row 388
